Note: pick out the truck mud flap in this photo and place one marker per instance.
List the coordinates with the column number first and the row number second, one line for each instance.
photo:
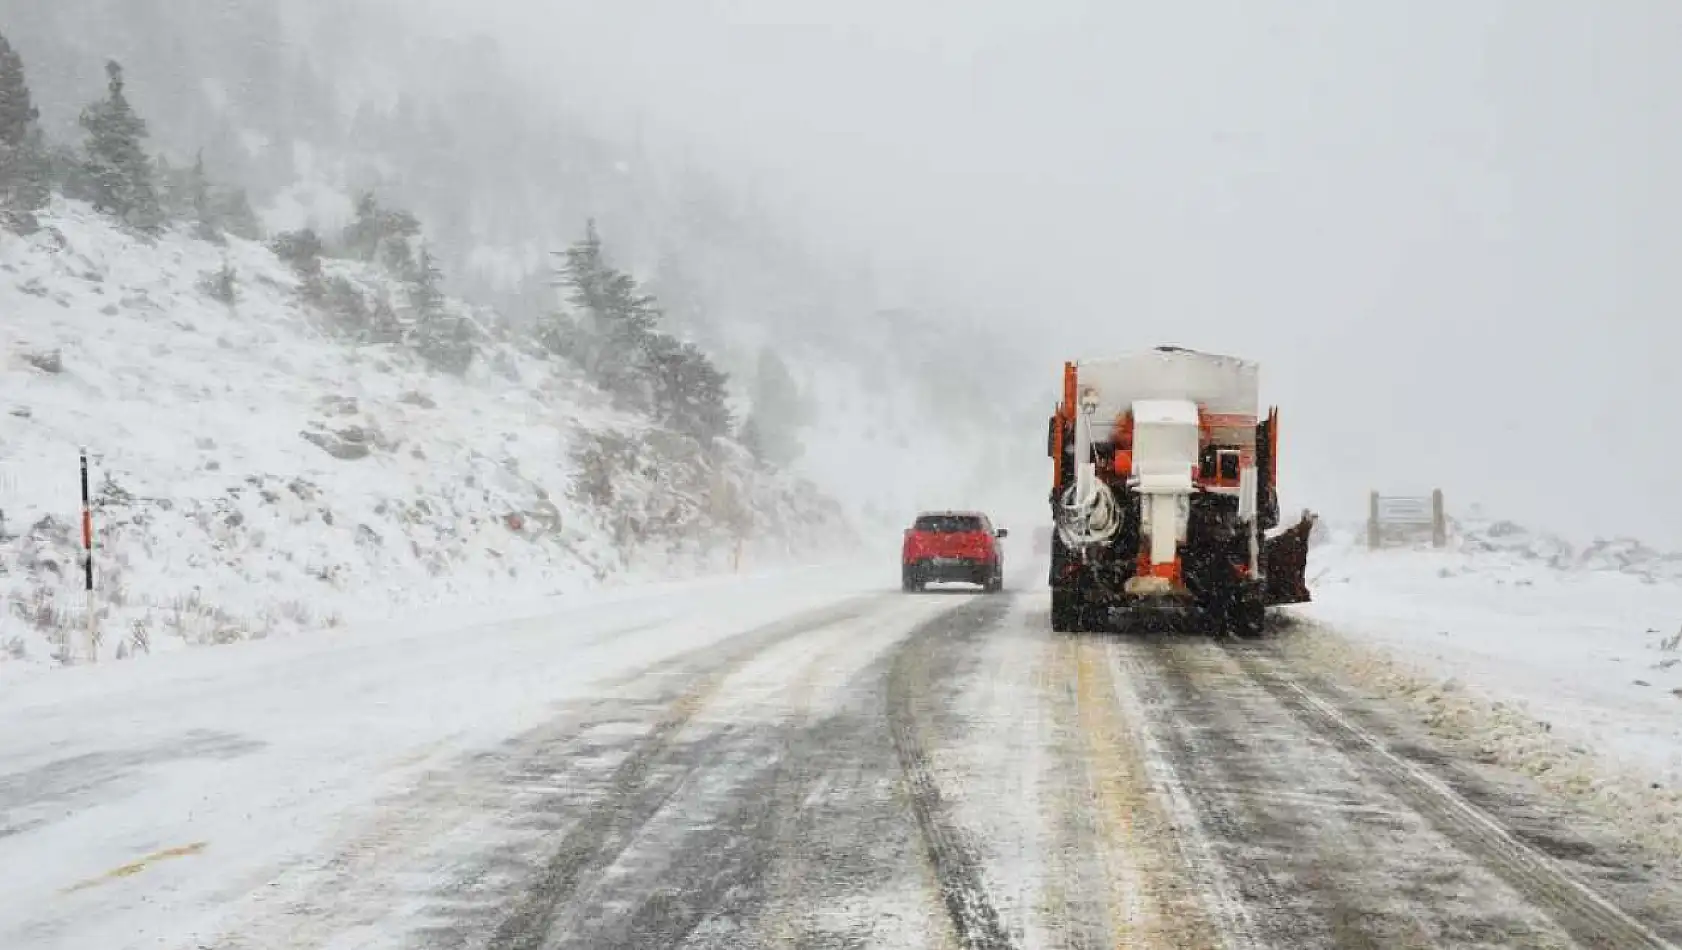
column 1285, row 564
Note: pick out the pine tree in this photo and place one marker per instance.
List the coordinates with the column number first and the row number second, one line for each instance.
column 561, row 335
column 748, row 435
column 615, row 338
column 778, row 412
column 616, row 321
column 690, row 393
column 444, row 339
column 25, row 167
column 302, row 250
column 349, row 310
column 119, row 173
column 67, row 172
column 386, row 236
column 18, row 114
column 361, row 237
column 172, row 189
column 426, row 290
column 586, row 274
column 203, row 210
column 232, row 209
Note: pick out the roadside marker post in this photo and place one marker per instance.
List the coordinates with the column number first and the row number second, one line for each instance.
column 87, row 563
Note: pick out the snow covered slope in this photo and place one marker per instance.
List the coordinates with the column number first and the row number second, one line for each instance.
column 254, row 476
column 1562, row 663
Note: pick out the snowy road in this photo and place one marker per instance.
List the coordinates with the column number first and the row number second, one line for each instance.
column 782, row 761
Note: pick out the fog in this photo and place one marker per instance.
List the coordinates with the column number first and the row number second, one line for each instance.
column 1447, row 230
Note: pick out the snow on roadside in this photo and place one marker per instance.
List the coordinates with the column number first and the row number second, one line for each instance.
column 1566, row 667
column 253, row 477
column 152, row 797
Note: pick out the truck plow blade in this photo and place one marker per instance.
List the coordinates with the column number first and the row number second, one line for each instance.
column 1285, row 563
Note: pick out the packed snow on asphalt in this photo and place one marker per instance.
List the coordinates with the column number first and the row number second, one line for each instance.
column 798, row 758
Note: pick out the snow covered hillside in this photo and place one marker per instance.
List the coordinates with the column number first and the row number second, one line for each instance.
column 252, row 475
column 1562, row 662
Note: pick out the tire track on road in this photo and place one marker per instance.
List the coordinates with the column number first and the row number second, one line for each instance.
column 914, row 695
column 719, row 875
column 701, row 855
column 1322, row 847
column 1591, row 920
column 1317, row 853
column 650, row 772
column 320, row 911
column 1196, row 821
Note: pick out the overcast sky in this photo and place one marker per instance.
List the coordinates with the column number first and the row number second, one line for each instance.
column 1451, row 231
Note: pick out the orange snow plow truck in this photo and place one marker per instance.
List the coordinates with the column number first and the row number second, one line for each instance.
column 1165, row 496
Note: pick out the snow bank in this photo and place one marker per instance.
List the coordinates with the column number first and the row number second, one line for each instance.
column 159, row 801
column 1565, row 665
column 253, row 476
column 1494, row 543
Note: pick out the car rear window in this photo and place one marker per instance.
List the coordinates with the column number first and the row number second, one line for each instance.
column 948, row 524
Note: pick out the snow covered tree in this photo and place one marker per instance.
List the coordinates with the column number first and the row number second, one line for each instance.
column 302, row 251
column 185, row 195
column 118, row 171
column 25, row 170
column 205, row 225
column 232, row 210
column 172, row 189
column 362, row 237
column 383, row 235
column 426, row 290
column 615, row 320
column 613, row 333
column 561, row 335
column 348, row 309
column 689, row 392
column 18, row 114
column 778, row 412
column 445, row 339
column 213, row 210
column 67, row 172
column 748, row 436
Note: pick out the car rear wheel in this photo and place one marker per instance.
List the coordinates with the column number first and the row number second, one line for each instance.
column 909, row 582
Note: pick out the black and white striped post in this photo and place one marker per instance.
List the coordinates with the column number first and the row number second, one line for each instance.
column 87, row 563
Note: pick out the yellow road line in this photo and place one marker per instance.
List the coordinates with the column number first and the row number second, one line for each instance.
column 135, row 867
column 1152, row 899
column 1051, row 676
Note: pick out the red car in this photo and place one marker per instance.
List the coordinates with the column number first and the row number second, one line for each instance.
column 946, row 546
